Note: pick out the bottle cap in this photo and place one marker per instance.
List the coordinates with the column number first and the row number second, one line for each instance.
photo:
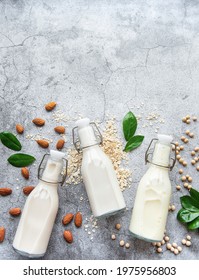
column 83, row 122
column 55, row 155
column 165, row 139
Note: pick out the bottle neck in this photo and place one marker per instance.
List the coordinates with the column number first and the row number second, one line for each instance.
column 161, row 154
column 95, row 147
column 87, row 137
column 52, row 171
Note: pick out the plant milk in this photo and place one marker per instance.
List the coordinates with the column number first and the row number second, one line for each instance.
column 98, row 174
column 40, row 210
column 153, row 195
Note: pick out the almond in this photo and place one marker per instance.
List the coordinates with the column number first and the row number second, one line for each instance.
column 25, row 172
column 19, row 128
column 78, row 219
column 15, row 211
column 2, row 234
column 38, row 121
column 27, row 190
column 68, row 236
column 50, row 106
column 60, row 144
column 5, row 191
column 60, row 129
column 43, row 143
column 67, row 218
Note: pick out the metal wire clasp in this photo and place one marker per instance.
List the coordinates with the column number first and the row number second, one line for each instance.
column 76, row 140
column 42, row 167
column 148, row 153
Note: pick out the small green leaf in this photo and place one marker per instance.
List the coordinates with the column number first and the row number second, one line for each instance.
column 10, row 141
column 189, row 203
column 190, row 212
column 129, row 125
column 21, row 160
column 186, row 216
column 195, row 195
column 133, row 143
column 194, row 224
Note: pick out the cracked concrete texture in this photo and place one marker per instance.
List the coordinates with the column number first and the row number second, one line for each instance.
column 98, row 58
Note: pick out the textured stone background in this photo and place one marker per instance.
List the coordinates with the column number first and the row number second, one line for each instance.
column 97, row 58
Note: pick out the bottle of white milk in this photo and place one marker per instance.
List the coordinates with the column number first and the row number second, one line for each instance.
column 40, row 210
column 153, row 194
column 98, row 174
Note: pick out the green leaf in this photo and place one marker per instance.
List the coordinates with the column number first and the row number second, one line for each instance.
column 195, row 195
column 21, row 160
column 129, row 125
column 10, row 141
column 189, row 203
column 133, row 143
column 194, row 224
column 190, row 212
column 186, row 216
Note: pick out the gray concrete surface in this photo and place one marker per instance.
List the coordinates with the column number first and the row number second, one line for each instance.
column 98, row 58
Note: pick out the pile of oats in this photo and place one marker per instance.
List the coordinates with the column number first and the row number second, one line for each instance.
column 74, row 164
column 113, row 147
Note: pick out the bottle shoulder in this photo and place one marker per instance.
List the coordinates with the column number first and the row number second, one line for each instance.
column 156, row 176
column 95, row 155
column 42, row 187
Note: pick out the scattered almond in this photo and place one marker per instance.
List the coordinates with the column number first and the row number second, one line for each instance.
column 60, row 129
column 15, row 212
column 27, row 190
column 43, row 143
column 60, row 144
column 78, row 219
column 67, row 218
column 19, row 128
column 5, row 191
column 50, row 106
column 38, row 121
column 25, row 172
column 68, row 236
column 2, row 234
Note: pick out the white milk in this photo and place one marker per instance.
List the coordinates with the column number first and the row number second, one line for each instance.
column 98, row 174
column 40, row 210
column 153, row 196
